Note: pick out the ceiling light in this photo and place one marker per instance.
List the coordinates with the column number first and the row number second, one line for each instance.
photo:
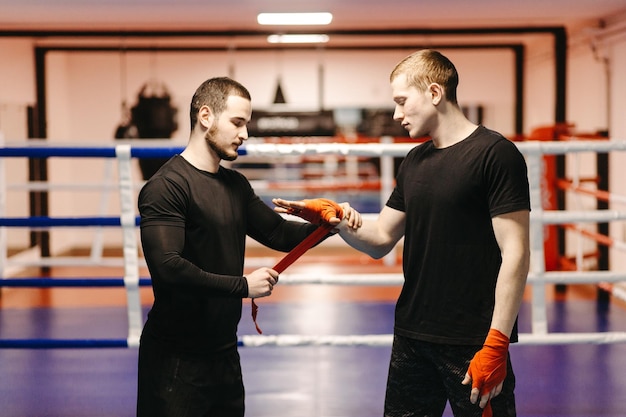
column 297, row 38
column 294, row 18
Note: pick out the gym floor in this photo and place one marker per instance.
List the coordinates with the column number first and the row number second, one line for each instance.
column 585, row 380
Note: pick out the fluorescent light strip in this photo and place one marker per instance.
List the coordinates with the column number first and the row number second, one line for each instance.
column 322, row 18
column 297, row 38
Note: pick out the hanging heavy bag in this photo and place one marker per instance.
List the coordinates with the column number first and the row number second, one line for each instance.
column 155, row 118
column 126, row 129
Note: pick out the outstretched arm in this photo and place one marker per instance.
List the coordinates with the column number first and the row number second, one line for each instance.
column 318, row 211
column 375, row 238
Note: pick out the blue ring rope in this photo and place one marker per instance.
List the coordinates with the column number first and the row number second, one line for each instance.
column 67, row 282
column 62, row 343
column 44, row 221
column 68, row 343
column 47, row 151
column 92, row 152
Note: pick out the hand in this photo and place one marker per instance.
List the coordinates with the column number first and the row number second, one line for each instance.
column 320, row 209
column 351, row 216
column 316, row 211
column 261, row 282
column 487, row 370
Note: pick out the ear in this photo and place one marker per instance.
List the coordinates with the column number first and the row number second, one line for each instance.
column 436, row 93
column 205, row 117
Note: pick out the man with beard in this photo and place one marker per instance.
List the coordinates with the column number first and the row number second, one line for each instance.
column 195, row 216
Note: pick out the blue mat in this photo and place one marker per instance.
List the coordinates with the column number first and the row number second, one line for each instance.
column 553, row 381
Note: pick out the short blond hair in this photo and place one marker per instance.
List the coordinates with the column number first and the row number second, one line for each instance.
column 428, row 66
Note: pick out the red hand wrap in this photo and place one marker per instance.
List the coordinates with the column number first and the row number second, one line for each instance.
column 318, row 210
column 292, row 256
column 488, row 367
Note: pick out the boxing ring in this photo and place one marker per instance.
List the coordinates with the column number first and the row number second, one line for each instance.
column 127, row 221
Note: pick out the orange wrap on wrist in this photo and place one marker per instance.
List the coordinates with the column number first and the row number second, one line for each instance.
column 488, row 367
column 318, row 210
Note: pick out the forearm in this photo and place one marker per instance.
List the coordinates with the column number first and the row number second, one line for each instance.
column 162, row 247
column 271, row 230
column 510, row 291
column 512, row 233
column 375, row 237
column 366, row 239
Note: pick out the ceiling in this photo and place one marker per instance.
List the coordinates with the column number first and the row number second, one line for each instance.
column 355, row 22
column 348, row 14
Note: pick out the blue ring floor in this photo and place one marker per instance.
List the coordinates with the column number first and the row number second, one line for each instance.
column 585, row 380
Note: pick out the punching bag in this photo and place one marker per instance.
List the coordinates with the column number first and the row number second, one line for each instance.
column 154, row 117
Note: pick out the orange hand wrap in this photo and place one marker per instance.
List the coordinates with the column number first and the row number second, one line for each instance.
column 318, row 210
column 310, row 241
column 488, row 367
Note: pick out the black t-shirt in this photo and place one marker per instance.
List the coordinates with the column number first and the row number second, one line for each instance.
column 193, row 232
column 451, row 258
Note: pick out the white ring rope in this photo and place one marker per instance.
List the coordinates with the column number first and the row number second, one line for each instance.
column 316, row 340
column 35, row 260
column 538, row 277
column 591, row 216
column 47, row 186
column 379, row 340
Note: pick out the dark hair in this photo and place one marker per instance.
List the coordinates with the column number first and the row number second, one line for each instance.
column 213, row 93
column 427, row 66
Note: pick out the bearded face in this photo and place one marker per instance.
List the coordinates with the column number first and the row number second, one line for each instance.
column 224, row 152
column 229, row 131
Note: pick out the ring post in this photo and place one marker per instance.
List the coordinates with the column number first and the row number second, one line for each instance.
column 129, row 238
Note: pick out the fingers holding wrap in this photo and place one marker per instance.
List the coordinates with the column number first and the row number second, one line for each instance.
column 351, row 216
column 261, row 282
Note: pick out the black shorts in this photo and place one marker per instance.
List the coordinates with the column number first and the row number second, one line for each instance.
column 174, row 385
column 424, row 376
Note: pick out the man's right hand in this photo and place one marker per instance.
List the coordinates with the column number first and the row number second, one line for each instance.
column 261, row 282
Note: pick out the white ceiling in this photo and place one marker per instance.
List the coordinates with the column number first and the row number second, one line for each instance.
column 348, row 14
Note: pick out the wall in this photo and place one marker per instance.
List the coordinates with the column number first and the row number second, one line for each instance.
column 82, row 83
column 17, row 91
column 85, row 91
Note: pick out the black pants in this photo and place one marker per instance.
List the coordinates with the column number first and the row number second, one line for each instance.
column 174, row 385
column 424, row 376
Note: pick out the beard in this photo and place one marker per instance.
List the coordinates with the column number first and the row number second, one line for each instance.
column 221, row 151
